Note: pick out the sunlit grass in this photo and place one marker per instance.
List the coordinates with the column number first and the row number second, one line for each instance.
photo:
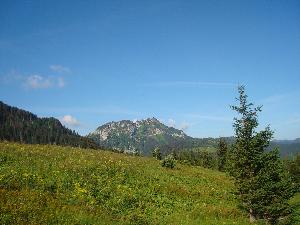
column 41, row 184
column 295, row 202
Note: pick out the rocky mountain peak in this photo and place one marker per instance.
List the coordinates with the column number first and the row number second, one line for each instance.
column 134, row 135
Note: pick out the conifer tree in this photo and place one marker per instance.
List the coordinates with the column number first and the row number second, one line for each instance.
column 262, row 185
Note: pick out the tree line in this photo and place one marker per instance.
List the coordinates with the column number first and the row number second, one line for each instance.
column 22, row 126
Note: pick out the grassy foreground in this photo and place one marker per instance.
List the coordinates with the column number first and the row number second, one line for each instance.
column 42, row 184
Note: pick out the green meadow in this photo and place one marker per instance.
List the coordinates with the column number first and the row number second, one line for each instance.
column 44, row 184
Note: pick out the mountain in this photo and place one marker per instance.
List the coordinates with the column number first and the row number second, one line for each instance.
column 287, row 147
column 144, row 135
column 129, row 136
column 22, row 126
column 132, row 136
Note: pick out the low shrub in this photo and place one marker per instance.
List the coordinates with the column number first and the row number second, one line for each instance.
column 169, row 162
column 156, row 153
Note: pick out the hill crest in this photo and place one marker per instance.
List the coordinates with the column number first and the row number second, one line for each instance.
column 131, row 136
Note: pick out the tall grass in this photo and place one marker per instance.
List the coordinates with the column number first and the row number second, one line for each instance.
column 41, row 184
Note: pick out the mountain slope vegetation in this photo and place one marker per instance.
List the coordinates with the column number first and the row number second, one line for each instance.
column 22, row 126
column 145, row 135
column 46, row 184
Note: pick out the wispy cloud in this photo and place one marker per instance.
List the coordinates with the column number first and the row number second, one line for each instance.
column 171, row 123
column 32, row 81
column 37, row 82
column 60, row 69
column 188, row 84
column 70, row 121
column 42, row 82
column 184, row 126
column 181, row 126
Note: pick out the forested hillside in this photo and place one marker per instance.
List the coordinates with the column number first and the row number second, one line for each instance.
column 22, row 126
column 287, row 148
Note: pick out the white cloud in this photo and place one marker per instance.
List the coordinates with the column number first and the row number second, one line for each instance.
column 38, row 82
column 70, row 121
column 32, row 81
column 42, row 82
column 161, row 120
column 171, row 123
column 60, row 69
column 184, row 126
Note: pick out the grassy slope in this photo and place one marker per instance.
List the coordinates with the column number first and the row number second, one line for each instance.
column 42, row 184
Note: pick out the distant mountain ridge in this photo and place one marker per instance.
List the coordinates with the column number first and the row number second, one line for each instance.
column 129, row 136
column 287, row 147
column 141, row 135
column 144, row 135
column 22, row 126
column 297, row 140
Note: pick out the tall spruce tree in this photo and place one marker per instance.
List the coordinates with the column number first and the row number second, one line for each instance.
column 262, row 185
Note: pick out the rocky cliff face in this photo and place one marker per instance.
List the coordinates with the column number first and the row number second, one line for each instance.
column 136, row 136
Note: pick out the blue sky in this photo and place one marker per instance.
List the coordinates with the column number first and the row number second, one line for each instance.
column 91, row 62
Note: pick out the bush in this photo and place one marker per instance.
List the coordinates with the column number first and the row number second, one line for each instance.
column 169, row 161
column 198, row 157
column 156, row 153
